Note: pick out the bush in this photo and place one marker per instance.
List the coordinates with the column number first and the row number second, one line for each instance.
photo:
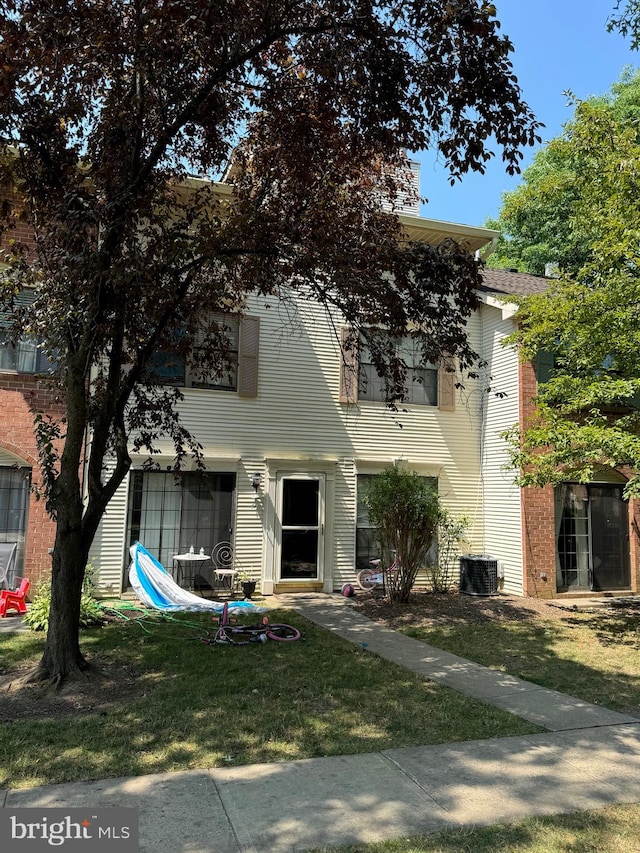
column 37, row 615
column 405, row 510
column 450, row 535
column 91, row 612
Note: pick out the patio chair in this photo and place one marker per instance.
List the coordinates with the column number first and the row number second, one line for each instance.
column 15, row 600
column 224, row 573
column 8, row 553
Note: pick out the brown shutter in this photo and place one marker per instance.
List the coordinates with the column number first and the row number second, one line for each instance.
column 446, row 385
column 248, row 349
column 348, row 367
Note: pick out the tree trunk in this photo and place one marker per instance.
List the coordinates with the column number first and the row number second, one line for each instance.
column 62, row 658
column 76, row 526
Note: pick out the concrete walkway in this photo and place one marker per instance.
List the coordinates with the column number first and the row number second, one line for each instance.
column 588, row 758
column 548, row 708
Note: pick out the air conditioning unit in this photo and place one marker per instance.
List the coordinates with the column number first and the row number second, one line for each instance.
column 478, row 574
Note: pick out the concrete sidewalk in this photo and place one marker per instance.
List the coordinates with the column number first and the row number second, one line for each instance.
column 294, row 806
column 590, row 757
column 12, row 622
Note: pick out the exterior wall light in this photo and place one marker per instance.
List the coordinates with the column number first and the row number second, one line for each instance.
column 256, row 480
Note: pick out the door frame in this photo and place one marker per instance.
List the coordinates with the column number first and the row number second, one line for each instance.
column 625, row 552
column 281, row 477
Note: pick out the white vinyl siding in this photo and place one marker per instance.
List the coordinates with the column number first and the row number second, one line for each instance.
column 247, row 533
column 408, row 202
column 296, row 422
column 502, row 500
column 108, row 550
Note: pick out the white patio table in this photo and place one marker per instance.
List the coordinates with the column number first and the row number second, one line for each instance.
column 187, row 563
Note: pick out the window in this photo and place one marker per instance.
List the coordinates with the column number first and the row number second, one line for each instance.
column 427, row 384
column 14, row 498
column 25, row 355
column 168, row 517
column 173, row 369
column 227, row 378
column 421, row 381
column 240, row 373
column 545, row 363
column 367, row 544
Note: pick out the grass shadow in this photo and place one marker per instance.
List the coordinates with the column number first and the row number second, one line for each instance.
column 204, row 705
column 590, row 654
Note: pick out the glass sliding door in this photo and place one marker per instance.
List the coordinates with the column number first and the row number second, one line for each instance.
column 592, row 537
column 207, row 508
column 167, row 517
column 609, row 537
column 572, row 525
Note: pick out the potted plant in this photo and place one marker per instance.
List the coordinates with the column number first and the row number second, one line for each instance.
column 248, row 585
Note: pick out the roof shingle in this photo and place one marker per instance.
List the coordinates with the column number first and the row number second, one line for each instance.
column 512, row 283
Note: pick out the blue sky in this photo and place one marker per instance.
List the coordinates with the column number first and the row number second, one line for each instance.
column 559, row 45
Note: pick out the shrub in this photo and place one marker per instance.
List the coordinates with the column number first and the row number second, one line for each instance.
column 451, row 533
column 91, row 612
column 405, row 510
column 37, row 615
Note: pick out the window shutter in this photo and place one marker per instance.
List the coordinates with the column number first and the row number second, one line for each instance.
column 446, row 385
column 248, row 350
column 348, row 367
column 22, row 300
column 545, row 363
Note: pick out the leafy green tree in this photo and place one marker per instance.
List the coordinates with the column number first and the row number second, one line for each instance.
column 107, row 112
column 405, row 510
column 588, row 410
column 626, row 19
column 537, row 220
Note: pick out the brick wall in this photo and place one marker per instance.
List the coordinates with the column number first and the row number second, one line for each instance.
column 18, row 394
column 538, row 515
column 538, row 519
column 539, row 547
column 17, row 224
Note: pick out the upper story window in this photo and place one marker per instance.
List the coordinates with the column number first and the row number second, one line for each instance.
column 25, row 355
column 426, row 384
column 421, row 381
column 239, row 372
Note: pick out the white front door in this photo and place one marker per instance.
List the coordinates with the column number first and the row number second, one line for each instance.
column 300, row 527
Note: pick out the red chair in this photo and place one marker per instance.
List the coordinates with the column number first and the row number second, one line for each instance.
column 14, row 599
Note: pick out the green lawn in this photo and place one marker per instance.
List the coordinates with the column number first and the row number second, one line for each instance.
column 205, row 705
column 593, row 656
column 201, row 706
column 612, row 830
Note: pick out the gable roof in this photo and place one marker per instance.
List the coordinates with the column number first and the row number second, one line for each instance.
column 512, row 283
